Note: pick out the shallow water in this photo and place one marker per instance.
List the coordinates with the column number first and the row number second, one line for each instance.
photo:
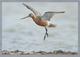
column 26, row 35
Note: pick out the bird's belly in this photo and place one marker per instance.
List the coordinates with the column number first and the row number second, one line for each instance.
column 42, row 22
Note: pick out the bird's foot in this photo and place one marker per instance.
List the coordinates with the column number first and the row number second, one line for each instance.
column 46, row 35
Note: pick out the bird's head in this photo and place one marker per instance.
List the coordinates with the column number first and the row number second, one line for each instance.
column 30, row 15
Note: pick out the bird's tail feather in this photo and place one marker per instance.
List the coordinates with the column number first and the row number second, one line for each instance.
column 52, row 25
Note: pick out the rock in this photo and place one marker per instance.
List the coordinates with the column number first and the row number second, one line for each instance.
column 16, row 51
column 5, row 52
column 50, row 53
column 42, row 52
column 58, row 52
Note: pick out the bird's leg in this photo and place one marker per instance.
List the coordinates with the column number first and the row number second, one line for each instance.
column 46, row 34
column 46, row 31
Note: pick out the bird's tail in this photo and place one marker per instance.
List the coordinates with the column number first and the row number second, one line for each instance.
column 52, row 25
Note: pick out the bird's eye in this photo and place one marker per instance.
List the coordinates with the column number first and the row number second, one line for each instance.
column 29, row 14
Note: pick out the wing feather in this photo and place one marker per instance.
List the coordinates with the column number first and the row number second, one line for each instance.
column 33, row 10
column 48, row 15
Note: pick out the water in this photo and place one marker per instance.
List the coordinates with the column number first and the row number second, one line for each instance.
column 26, row 35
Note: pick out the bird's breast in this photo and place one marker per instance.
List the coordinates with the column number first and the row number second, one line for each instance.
column 40, row 22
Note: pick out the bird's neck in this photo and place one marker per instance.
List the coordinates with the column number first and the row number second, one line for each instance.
column 34, row 18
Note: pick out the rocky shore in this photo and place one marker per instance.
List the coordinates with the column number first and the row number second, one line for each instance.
column 17, row 52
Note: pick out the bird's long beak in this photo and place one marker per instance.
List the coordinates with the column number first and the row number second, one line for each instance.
column 25, row 17
column 60, row 12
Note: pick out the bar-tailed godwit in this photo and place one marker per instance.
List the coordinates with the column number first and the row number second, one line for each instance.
column 43, row 20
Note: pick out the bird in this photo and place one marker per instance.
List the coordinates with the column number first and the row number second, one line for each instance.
column 42, row 20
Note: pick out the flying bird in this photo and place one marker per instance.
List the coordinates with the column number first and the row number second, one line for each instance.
column 41, row 20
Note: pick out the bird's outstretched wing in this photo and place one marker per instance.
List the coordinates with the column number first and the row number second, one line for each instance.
column 48, row 15
column 33, row 10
